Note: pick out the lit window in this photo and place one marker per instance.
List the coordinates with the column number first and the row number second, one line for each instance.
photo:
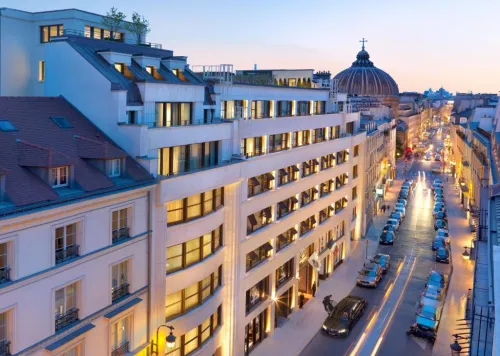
column 120, row 336
column 41, row 71
column 150, row 69
column 120, row 67
column 60, row 177
column 114, row 168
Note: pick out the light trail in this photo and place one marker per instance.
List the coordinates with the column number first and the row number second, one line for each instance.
column 375, row 350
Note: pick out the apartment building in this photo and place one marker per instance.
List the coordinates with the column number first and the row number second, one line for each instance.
column 74, row 235
column 259, row 187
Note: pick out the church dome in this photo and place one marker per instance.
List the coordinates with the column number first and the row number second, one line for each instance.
column 364, row 79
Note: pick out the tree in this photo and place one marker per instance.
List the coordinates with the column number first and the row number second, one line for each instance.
column 139, row 26
column 113, row 20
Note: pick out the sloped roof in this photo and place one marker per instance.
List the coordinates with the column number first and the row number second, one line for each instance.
column 93, row 149
column 39, row 143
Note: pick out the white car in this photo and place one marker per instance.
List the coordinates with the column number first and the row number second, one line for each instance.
column 399, row 205
column 393, row 222
column 443, row 233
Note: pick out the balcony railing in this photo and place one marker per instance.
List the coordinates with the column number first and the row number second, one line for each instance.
column 121, row 350
column 66, row 254
column 119, row 292
column 67, row 318
column 188, row 122
column 4, row 347
column 4, row 275
column 124, row 39
column 121, row 234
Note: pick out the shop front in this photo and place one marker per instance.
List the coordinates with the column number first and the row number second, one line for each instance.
column 256, row 331
column 284, row 307
column 306, row 271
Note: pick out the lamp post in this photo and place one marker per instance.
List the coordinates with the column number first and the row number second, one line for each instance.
column 466, row 254
column 169, row 340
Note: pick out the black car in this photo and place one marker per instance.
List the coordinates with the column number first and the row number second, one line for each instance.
column 441, row 215
column 389, row 227
column 387, row 238
column 440, row 224
column 344, row 316
column 443, row 255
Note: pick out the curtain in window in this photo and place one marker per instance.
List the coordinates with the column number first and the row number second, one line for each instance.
column 179, row 159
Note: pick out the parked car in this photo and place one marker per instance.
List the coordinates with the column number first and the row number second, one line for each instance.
column 383, row 260
column 370, row 275
column 394, row 222
column 438, row 243
column 444, row 234
column 344, row 316
column 437, row 209
column 438, row 280
column 438, row 181
column 402, row 201
column 440, row 224
column 443, row 255
column 389, row 228
column 428, row 156
column 429, row 316
column 400, row 209
column 441, row 215
column 437, row 186
column 422, row 332
column 441, row 204
column 432, row 296
column 439, row 197
column 437, row 158
column 396, row 215
column 439, row 191
column 404, row 193
column 387, row 238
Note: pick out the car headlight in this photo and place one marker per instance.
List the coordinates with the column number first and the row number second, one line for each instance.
column 324, row 327
column 342, row 331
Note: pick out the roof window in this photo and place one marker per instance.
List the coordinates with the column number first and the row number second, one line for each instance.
column 61, row 122
column 7, row 126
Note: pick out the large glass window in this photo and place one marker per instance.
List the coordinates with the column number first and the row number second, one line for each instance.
column 65, row 243
column 301, row 138
column 260, row 184
column 120, row 335
column 288, row 174
column 255, row 332
column 258, row 220
column 233, row 109
column 319, row 107
column 284, row 108
column 66, row 311
column 278, row 142
column 319, row 135
column 47, row 32
column 303, row 108
column 260, row 109
column 287, row 206
column 286, row 238
column 100, row 33
column 259, row 255
column 195, row 206
column 173, row 114
column 285, row 272
column 183, row 255
column 256, row 294
column 182, row 301
column 186, row 158
column 252, row 146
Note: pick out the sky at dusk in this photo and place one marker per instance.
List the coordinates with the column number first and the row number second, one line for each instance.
column 422, row 44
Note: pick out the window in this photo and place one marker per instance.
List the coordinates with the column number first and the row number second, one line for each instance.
column 288, row 174
column 61, row 122
column 278, row 142
column 5, row 335
column 119, row 281
column 340, row 205
column 186, row 158
column 259, row 220
column 284, row 108
column 66, row 243
column 182, row 301
column 286, row 238
column 75, row 350
column 4, row 263
column 7, row 126
column 99, row 33
column 259, row 255
column 319, row 107
column 327, row 161
column 354, row 193
column 47, row 32
column 114, row 167
column 307, row 225
column 355, row 172
column 285, row 272
column 301, row 138
column 303, row 108
column 260, row 109
column 195, row 206
column 196, row 337
column 173, row 114
column 308, row 196
column 325, row 214
column 356, row 151
column 120, row 336
column 349, row 127
column 260, row 184
column 41, row 71
column 335, row 132
column 287, row 206
column 234, row 109
column 120, row 67
column 119, row 225
column 310, row 167
column 252, row 146
column 318, row 135
column 150, row 69
column 66, row 311
column 326, row 188
column 257, row 294
column 255, row 332
column 60, row 177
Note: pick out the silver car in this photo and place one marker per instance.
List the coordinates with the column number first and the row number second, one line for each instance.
column 370, row 275
column 432, row 296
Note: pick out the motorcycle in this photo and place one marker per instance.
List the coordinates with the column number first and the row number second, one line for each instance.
column 419, row 332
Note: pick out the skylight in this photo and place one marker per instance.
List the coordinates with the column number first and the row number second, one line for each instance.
column 61, row 122
column 7, row 126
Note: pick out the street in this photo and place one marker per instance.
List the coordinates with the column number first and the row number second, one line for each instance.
column 392, row 305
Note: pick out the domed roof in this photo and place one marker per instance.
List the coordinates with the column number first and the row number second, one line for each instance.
column 363, row 78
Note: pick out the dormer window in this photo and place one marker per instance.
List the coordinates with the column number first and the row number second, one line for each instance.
column 60, row 177
column 120, row 67
column 150, row 69
column 114, row 168
column 178, row 73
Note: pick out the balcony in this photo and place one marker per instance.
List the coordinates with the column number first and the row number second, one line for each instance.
column 121, row 350
column 4, row 347
column 128, row 40
column 66, row 254
column 66, row 319
column 119, row 292
column 121, row 234
column 4, row 276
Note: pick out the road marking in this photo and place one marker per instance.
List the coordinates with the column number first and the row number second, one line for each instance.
column 375, row 350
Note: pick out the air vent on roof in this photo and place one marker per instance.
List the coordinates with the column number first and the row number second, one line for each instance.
column 61, row 122
column 7, row 126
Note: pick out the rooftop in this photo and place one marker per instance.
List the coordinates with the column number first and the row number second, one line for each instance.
column 48, row 132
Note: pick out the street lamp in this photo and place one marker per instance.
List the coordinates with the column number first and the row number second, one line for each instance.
column 169, row 340
column 466, row 254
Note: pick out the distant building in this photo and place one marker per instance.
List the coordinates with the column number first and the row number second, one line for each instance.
column 281, row 77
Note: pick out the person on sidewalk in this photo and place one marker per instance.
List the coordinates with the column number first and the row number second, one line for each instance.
column 314, row 289
column 301, row 301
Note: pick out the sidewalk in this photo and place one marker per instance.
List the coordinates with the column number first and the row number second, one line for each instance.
column 303, row 324
column 463, row 274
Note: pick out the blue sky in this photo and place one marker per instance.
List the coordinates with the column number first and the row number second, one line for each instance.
column 422, row 44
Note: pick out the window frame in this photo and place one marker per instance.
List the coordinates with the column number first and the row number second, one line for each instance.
column 114, row 168
column 58, row 174
column 59, row 29
column 218, row 201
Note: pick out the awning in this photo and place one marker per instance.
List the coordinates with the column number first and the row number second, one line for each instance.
column 322, row 214
column 306, row 164
column 283, row 205
column 267, row 247
column 252, row 256
column 282, row 172
column 252, row 220
column 305, row 195
column 69, row 337
column 282, row 239
column 295, row 168
column 294, row 200
column 313, row 219
column 315, row 161
column 269, row 176
column 122, row 308
column 333, row 156
column 267, row 212
column 254, row 181
column 293, row 231
column 314, row 190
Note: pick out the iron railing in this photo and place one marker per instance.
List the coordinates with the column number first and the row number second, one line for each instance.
column 121, row 234
column 4, row 275
column 120, row 292
column 67, row 318
column 121, row 350
column 4, row 347
column 66, row 254
column 124, row 38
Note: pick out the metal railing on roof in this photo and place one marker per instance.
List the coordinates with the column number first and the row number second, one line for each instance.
column 123, row 39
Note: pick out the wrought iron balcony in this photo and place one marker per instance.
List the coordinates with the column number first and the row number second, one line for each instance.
column 119, row 292
column 66, row 254
column 67, row 318
column 4, row 276
column 4, row 347
column 121, row 234
column 121, row 350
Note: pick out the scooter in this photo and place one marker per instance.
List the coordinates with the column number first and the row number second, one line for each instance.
column 417, row 331
column 328, row 304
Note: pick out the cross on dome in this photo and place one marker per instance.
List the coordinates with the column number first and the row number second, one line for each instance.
column 363, row 41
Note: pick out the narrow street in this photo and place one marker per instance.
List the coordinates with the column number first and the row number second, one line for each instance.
column 392, row 305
